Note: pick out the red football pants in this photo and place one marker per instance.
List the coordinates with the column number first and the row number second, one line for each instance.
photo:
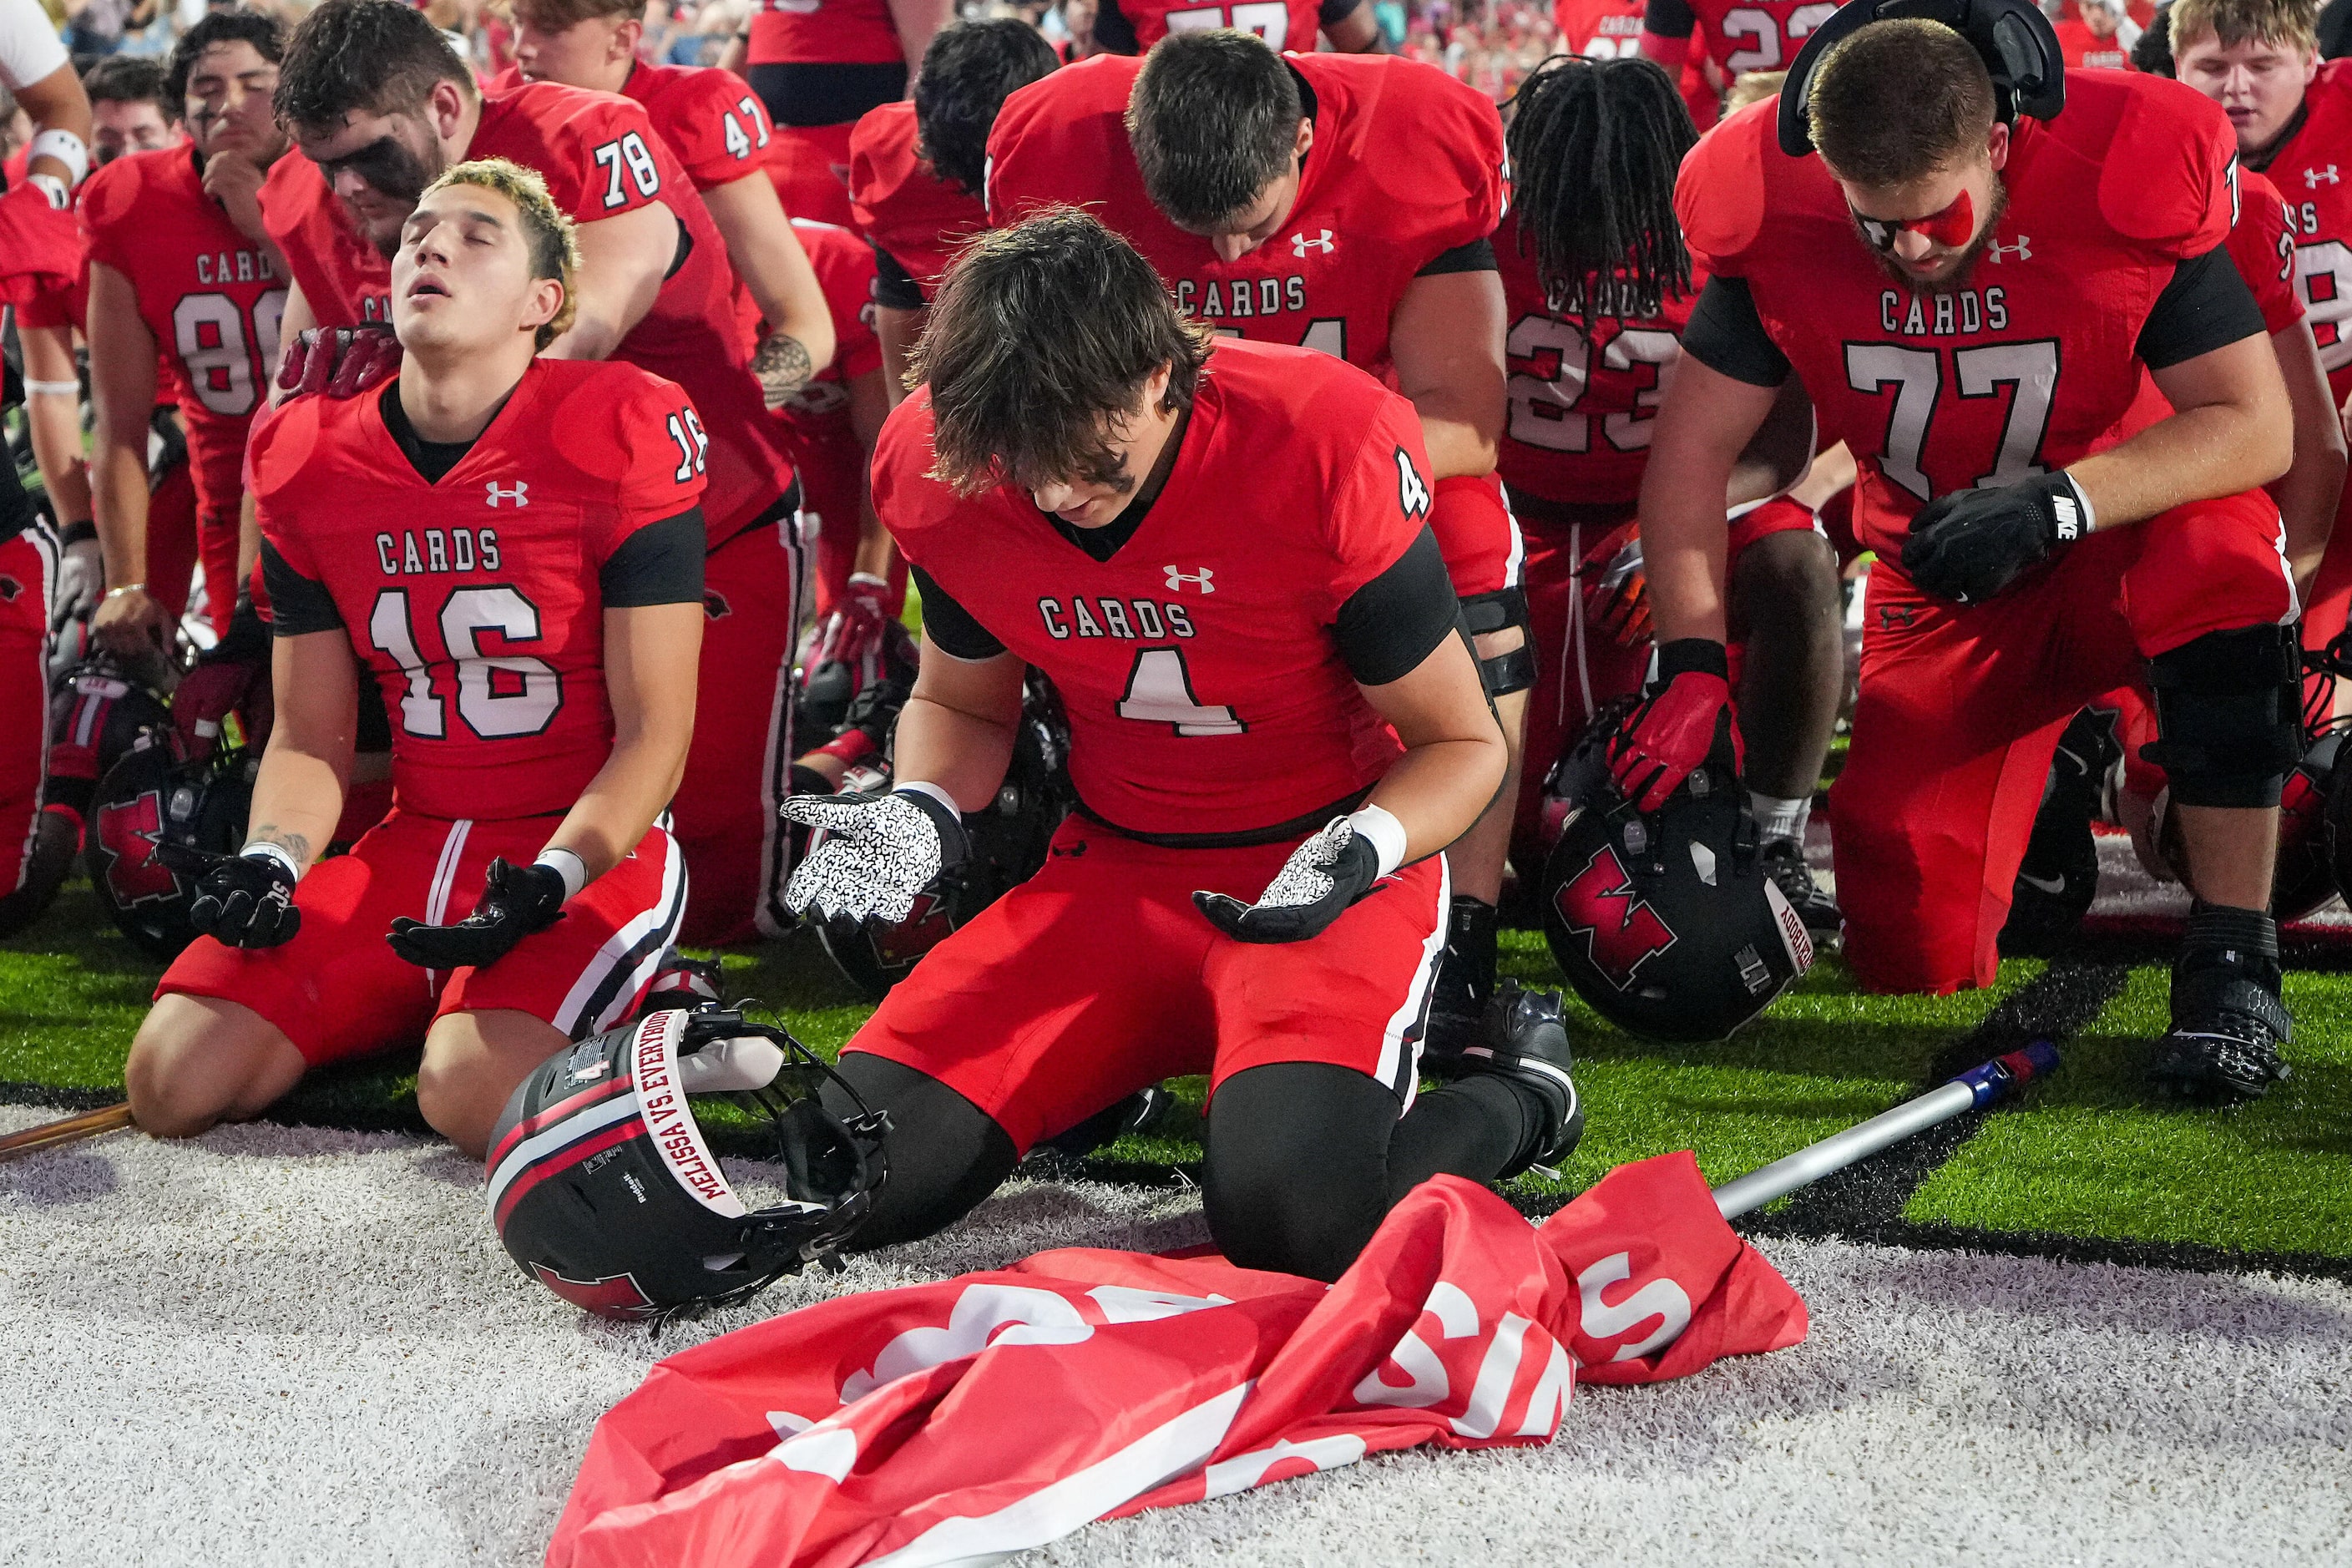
column 1475, row 534
column 2331, row 587
column 338, row 991
column 179, row 536
column 28, row 564
column 1960, row 710
column 809, row 166
column 738, row 766
column 1098, row 977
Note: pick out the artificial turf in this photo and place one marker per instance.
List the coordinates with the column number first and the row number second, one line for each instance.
column 2086, row 1155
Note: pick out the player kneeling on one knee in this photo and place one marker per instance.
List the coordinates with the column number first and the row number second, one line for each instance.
column 512, row 547
column 1219, row 551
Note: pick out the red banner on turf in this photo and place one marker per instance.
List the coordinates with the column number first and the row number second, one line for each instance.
column 999, row 1411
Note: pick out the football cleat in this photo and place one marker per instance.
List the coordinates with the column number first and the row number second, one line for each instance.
column 1462, row 986
column 1526, row 1041
column 2059, row 874
column 2227, row 1021
column 1784, row 860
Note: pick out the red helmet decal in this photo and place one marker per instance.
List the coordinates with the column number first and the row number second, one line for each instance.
column 129, row 832
column 1620, row 932
column 614, row 1296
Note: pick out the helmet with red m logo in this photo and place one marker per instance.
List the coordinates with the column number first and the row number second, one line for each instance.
column 1666, row 923
column 605, row 1189
column 150, row 797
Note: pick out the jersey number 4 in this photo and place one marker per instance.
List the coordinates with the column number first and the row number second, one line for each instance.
column 498, row 696
column 218, row 348
column 2029, row 370
column 1160, row 692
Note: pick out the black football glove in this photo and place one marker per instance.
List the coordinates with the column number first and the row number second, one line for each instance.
column 1970, row 545
column 242, row 900
column 1313, row 887
column 516, row 902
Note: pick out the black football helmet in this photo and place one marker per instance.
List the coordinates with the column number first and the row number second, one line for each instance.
column 100, row 709
column 603, row 1189
column 1008, row 845
column 151, row 797
column 1667, row 923
column 1582, row 771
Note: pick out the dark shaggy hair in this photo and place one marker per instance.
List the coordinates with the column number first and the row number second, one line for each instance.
column 1041, row 338
column 1212, row 120
column 1595, row 146
column 1895, row 101
column 128, row 79
column 2153, row 52
column 381, row 56
column 266, row 33
column 969, row 71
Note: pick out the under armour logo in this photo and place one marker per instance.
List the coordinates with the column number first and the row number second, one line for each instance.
column 1176, row 580
column 2314, row 178
column 2022, row 250
column 513, row 492
column 1300, row 244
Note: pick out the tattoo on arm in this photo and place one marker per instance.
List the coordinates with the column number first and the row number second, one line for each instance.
column 295, row 843
column 781, row 363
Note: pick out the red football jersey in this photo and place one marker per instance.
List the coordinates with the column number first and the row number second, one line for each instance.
column 823, row 32
column 900, row 203
column 1935, row 394
column 475, row 601
column 2310, row 169
column 711, row 118
column 1408, row 164
column 2262, row 242
column 2085, row 50
column 210, row 296
column 1584, row 393
column 1204, row 685
column 1743, row 34
column 1283, row 24
column 816, row 421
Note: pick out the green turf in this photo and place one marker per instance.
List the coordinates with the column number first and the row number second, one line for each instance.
column 2084, row 1154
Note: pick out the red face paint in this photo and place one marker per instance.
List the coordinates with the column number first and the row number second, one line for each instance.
column 1953, row 227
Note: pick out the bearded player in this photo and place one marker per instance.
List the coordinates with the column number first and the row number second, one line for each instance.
column 378, row 103
column 181, row 267
column 1334, row 202
column 1971, row 296
column 510, row 546
column 1600, row 286
column 1275, row 728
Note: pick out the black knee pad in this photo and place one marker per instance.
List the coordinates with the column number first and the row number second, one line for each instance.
column 2228, row 715
column 1499, row 612
column 1297, row 1175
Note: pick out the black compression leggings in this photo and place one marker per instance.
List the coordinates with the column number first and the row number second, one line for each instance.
column 1304, row 1158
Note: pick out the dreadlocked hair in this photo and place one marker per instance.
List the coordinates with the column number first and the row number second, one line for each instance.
column 1595, row 146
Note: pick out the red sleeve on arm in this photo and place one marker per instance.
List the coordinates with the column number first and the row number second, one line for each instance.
column 1719, row 194
column 1381, row 502
column 668, row 451
column 2263, row 246
column 595, row 151
column 715, row 129
column 2171, row 179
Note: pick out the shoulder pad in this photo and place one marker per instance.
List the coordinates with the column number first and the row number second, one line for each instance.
column 1719, row 194
column 2168, row 171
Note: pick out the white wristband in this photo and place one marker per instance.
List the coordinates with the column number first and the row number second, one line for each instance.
column 567, row 865
column 277, row 852
column 68, row 149
column 54, row 388
column 934, row 791
column 1384, row 831
column 2090, row 519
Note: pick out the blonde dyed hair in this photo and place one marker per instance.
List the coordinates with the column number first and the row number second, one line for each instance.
column 555, row 248
column 2285, row 23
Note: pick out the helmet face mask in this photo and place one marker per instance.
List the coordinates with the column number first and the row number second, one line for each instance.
column 604, row 1187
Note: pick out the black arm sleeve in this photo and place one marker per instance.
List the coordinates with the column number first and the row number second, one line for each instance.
column 1114, row 34
column 1670, row 18
column 2206, row 306
column 660, row 564
column 1396, row 620
column 1725, row 336
column 1479, row 255
column 949, row 625
column 298, row 604
column 894, row 287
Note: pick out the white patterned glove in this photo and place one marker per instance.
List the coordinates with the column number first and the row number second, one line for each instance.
column 877, row 852
column 1313, row 887
column 81, row 584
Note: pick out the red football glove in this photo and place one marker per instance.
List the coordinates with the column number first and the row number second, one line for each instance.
column 1683, row 723
column 853, row 634
column 342, row 362
column 232, row 677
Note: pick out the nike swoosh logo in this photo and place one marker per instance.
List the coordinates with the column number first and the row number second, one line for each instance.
column 2053, row 886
